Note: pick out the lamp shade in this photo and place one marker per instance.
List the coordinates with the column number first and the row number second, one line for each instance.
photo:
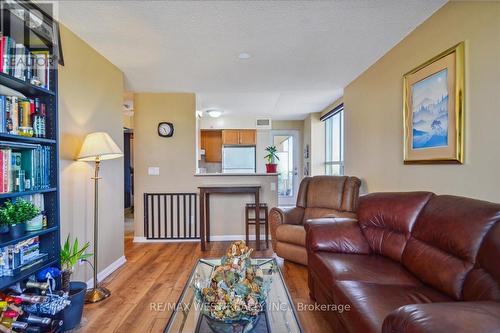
column 98, row 145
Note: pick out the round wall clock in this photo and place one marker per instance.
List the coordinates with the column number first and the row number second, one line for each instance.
column 165, row 130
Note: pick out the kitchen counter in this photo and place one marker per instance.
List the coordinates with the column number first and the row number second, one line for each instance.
column 227, row 211
column 234, row 174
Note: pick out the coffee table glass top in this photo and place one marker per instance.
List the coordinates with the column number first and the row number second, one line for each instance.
column 279, row 315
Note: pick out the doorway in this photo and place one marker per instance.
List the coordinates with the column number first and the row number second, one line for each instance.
column 287, row 145
column 128, row 159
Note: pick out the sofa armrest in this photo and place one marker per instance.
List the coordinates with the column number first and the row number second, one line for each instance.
column 341, row 235
column 465, row 317
column 279, row 216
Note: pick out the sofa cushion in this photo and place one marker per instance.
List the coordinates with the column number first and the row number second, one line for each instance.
column 371, row 303
column 445, row 241
column 332, row 267
column 387, row 219
column 289, row 233
column 463, row 317
column 483, row 282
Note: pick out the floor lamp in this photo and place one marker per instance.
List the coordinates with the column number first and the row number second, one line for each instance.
column 97, row 147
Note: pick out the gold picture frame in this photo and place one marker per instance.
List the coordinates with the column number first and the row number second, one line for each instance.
column 433, row 109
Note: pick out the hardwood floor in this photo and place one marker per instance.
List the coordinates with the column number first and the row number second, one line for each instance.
column 157, row 272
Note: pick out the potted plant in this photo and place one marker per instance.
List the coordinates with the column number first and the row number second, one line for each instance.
column 70, row 256
column 16, row 214
column 271, row 157
column 4, row 227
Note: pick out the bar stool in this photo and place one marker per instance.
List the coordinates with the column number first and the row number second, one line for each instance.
column 262, row 221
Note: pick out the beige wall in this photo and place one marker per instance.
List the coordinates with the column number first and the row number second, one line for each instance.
column 176, row 158
column 373, row 104
column 314, row 136
column 90, row 99
column 128, row 121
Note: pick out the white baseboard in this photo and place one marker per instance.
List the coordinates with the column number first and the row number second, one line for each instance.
column 215, row 238
column 107, row 271
column 140, row 239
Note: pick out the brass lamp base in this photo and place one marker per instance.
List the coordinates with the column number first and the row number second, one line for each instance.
column 97, row 294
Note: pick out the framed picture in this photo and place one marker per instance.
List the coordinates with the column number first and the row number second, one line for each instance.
column 433, row 109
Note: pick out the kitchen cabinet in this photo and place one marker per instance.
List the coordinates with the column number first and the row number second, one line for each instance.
column 230, row 137
column 245, row 137
column 211, row 142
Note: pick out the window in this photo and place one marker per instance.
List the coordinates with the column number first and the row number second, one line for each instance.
column 334, row 136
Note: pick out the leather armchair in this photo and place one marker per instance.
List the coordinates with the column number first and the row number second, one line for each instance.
column 318, row 197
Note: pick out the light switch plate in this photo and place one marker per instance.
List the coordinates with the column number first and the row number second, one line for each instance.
column 153, row 171
column 273, row 187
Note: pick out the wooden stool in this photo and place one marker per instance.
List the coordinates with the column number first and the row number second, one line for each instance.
column 262, row 221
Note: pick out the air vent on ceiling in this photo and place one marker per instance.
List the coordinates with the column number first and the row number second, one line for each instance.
column 263, row 123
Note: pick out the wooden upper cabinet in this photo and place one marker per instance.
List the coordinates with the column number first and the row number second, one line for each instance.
column 247, row 137
column 239, row 137
column 230, row 137
column 211, row 141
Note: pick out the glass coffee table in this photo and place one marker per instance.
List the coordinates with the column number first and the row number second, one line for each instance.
column 278, row 316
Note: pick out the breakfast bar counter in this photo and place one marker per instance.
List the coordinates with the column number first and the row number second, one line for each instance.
column 206, row 191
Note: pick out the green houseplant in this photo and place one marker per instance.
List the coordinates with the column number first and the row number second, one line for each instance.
column 71, row 254
column 271, row 157
column 16, row 214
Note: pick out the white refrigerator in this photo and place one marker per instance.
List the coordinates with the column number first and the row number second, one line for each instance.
column 238, row 159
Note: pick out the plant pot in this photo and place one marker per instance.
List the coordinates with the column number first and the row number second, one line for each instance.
column 271, row 168
column 72, row 314
column 35, row 224
column 4, row 229
column 17, row 230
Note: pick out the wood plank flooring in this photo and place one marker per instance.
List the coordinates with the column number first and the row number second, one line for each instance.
column 157, row 272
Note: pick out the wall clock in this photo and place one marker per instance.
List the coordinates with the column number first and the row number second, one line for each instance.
column 165, row 130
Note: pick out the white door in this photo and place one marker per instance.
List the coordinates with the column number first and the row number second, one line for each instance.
column 287, row 144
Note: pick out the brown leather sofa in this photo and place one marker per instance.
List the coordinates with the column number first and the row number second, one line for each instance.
column 320, row 196
column 413, row 262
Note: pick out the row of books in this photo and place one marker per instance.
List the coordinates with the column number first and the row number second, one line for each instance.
column 22, row 63
column 37, row 199
column 23, row 116
column 24, row 169
column 14, row 257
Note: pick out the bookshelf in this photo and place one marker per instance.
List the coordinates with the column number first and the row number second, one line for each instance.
column 32, row 41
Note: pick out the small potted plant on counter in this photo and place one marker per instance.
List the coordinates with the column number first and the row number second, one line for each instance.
column 271, row 157
column 16, row 214
column 70, row 256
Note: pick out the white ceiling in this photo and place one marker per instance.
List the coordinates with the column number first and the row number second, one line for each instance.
column 303, row 52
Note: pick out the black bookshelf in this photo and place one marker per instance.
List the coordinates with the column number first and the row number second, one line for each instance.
column 33, row 40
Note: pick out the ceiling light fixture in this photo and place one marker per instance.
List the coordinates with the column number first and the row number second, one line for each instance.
column 244, row 55
column 214, row 113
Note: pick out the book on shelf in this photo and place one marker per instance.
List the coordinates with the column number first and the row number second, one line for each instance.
column 17, row 257
column 20, row 62
column 23, row 116
column 24, row 169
